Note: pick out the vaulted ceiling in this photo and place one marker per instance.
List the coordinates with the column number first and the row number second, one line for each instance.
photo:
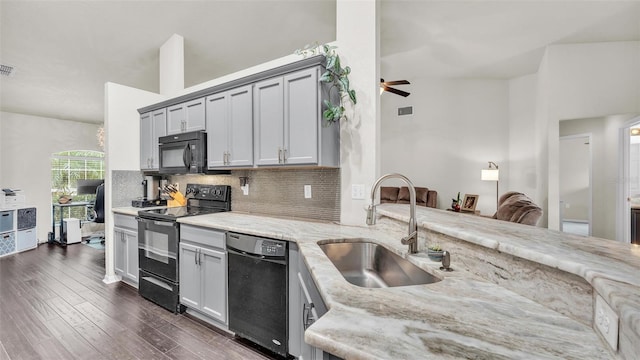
column 64, row 51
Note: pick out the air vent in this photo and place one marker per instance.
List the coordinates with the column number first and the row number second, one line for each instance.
column 6, row 70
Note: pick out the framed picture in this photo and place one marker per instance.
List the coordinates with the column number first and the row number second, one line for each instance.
column 469, row 203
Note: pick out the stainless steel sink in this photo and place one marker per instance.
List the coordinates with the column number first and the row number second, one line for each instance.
column 370, row 265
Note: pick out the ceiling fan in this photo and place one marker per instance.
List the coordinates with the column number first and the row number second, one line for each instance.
column 386, row 86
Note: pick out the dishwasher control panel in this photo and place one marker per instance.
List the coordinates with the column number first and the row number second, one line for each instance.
column 273, row 248
column 254, row 245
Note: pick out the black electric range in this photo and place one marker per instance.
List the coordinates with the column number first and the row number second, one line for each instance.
column 159, row 238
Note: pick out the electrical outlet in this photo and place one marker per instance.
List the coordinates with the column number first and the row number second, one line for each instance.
column 357, row 191
column 307, row 191
column 606, row 321
column 567, row 205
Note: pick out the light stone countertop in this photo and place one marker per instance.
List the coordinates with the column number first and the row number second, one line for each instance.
column 462, row 316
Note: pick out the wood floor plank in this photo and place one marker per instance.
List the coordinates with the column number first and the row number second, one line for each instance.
column 31, row 326
column 94, row 335
column 3, row 352
column 138, row 346
column 75, row 344
column 52, row 349
column 181, row 353
column 98, row 317
column 67, row 312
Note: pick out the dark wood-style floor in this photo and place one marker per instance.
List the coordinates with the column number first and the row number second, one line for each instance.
column 54, row 305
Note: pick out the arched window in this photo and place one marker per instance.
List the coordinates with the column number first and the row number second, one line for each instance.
column 67, row 167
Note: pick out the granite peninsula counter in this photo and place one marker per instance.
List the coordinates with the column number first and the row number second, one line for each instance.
column 465, row 315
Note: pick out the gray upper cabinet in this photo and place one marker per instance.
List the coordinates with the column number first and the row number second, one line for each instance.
column 301, row 117
column 185, row 117
column 288, row 126
column 268, row 112
column 152, row 126
column 229, row 118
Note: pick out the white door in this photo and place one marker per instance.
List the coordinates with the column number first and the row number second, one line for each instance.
column 575, row 184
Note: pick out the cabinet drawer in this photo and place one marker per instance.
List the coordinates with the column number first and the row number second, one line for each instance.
column 203, row 236
column 125, row 221
column 26, row 239
column 7, row 243
column 6, row 221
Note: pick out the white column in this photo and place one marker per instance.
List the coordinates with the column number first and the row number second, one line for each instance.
column 172, row 66
column 358, row 41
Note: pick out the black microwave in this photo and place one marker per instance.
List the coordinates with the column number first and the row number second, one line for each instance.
column 184, row 153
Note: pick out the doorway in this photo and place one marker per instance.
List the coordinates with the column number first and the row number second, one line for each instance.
column 629, row 192
column 576, row 184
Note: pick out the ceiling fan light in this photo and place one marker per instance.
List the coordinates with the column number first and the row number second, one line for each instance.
column 635, row 131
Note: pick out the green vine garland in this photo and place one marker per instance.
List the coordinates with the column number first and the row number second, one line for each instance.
column 336, row 76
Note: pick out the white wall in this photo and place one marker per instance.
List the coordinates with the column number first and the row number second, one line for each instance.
column 26, row 145
column 522, row 142
column 586, row 81
column 457, row 127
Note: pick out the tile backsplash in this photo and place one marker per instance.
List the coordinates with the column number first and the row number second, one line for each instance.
column 279, row 192
column 127, row 186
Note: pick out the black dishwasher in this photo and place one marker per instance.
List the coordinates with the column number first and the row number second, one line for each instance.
column 258, row 290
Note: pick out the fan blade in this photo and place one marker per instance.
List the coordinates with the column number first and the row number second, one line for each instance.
column 396, row 91
column 397, row 82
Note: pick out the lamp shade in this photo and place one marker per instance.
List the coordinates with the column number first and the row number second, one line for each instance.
column 490, row 174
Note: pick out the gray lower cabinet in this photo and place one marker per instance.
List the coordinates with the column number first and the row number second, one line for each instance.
column 125, row 236
column 203, row 272
column 305, row 307
column 288, row 128
column 230, row 122
column 152, row 126
column 185, row 117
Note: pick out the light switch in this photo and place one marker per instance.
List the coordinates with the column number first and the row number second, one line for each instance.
column 307, row 191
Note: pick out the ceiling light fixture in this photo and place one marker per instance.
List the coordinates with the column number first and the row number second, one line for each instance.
column 6, row 70
column 635, row 131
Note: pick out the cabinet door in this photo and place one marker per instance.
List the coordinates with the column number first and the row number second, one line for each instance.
column 131, row 249
column 189, row 116
column 120, row 247
column 159, row 123
column 301, row 117
column 176, row 116
column 218, row 136
column 190, row 292
column 214, row 283
column 195, row 111
column 309, row 316
column 268, row 121
column 146, row 134
column 240, row 126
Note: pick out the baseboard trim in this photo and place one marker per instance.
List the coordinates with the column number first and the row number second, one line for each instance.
column 110, row 279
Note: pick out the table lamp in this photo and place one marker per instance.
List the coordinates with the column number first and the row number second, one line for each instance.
column 492, row 174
